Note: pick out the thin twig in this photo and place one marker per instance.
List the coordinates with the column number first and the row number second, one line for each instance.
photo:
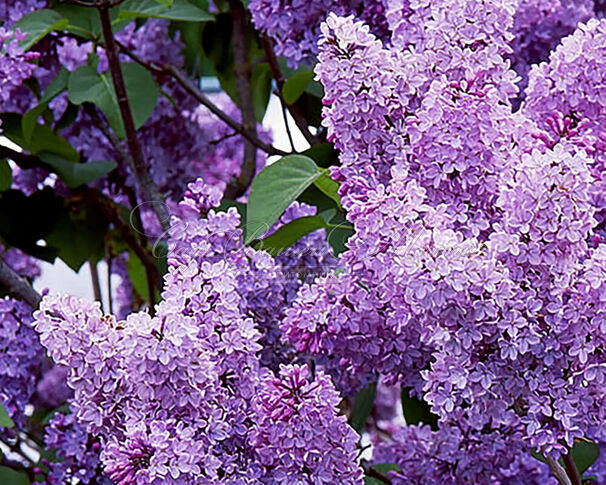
column 571, row 468
column 197, row 94
column 286, row 125
column 558, row 472
column 18, row 285
column 110, row 299
column 94, row 276
column 145, row 182
column 293, row 109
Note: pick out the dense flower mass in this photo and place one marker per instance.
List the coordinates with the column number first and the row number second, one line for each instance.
column 295, row 24
column 298, row 437
column 21, row 357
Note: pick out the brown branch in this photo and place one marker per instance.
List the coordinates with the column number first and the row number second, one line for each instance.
column 557, row 470
column 94, row 275
column 242, row 74
column 293, row 109
column 18, row 285
column 571, row 468
column 145, row 182
column 374, row 473
column 199, row 96
column 111, row 213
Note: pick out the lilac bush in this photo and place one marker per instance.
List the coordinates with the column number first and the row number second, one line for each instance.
column 419, row 297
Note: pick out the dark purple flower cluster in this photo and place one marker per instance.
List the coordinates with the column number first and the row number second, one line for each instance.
column 21, row 358
column 295, row 24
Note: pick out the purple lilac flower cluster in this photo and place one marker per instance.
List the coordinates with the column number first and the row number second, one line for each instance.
column 539, row 25
column 295, row 24
column 298, row 436
column 491, row 314
column 76, row 452
column 459, row 454
column 171, row 396
column 15, row 65
column 21, row 358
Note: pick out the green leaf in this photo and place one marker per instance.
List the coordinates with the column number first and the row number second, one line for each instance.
column 180, row 10
column 328, row 187
column 42, row 139
column 6, row 175
column 79, row 235
column 87, row 85
column 289, row 234
column 5, row 420
column 585, row 453
column 9, row 476
column 38, row 24
column 384, row 468
column 30, row 119
column 260, row 84
column 363, row 404
column 274, row 189
column 76, row 174
column 56, row 87
column 417, row 411
column 295, row 86
column 137, row 275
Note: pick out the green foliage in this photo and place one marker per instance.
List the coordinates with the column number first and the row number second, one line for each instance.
column 5, row 420
column 363, row 404
column 42, row 139
column 260, row 85
column 6, row 175
column 179, row 10
column 290, row 233
column 79, row 234
column 137, row 275
column 87, row 85
column 417, row 411
column 295, row 86
column 328, row 187
column 217, row 45
column 12, row 477
column 38, row 24
column 274, row 189
column 30, row 119
column 76, row 174
column 382, row 468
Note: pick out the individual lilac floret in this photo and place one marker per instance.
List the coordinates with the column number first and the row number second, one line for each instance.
column 298, row 436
